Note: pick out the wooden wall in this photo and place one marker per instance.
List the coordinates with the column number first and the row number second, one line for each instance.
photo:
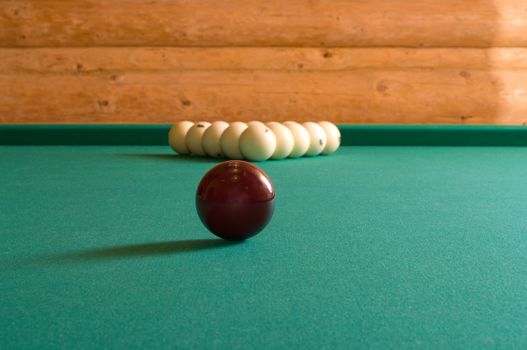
column 363, row 61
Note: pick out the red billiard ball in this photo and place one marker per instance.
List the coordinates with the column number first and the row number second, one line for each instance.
column 235, row 200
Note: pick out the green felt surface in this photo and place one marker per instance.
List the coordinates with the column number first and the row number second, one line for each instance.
column 370, row 248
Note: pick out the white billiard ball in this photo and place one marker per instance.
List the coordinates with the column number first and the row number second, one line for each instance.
column 194, row 138
column 176, row 136
column 332, row 135
column 211, row 139
column 230, row 140
column 301, row 137
column 284, row 140
column 317, row 138
column 257, row 143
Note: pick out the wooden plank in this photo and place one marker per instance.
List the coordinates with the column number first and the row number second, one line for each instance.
column 430, row 96
column 365, row 23
column 93, row 60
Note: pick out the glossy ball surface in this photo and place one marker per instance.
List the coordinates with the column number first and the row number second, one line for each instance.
column 235, row 200
column 317, row 139
column 301, row 138
column 177, row 135
column 257, row 143
column 230, row 140
column 211, row 139
column 194, row 138
column 284, row 140
column 333, row 137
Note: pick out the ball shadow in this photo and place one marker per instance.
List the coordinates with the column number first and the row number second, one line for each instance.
column 137, row 251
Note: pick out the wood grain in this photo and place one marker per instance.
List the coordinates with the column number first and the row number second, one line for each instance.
column 445, row 96
column 362, row 23
column 94, row 60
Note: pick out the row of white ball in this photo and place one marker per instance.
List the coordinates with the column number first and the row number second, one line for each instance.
column 255, row 140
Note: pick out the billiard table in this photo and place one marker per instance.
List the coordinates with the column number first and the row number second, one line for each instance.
column 406, row 237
